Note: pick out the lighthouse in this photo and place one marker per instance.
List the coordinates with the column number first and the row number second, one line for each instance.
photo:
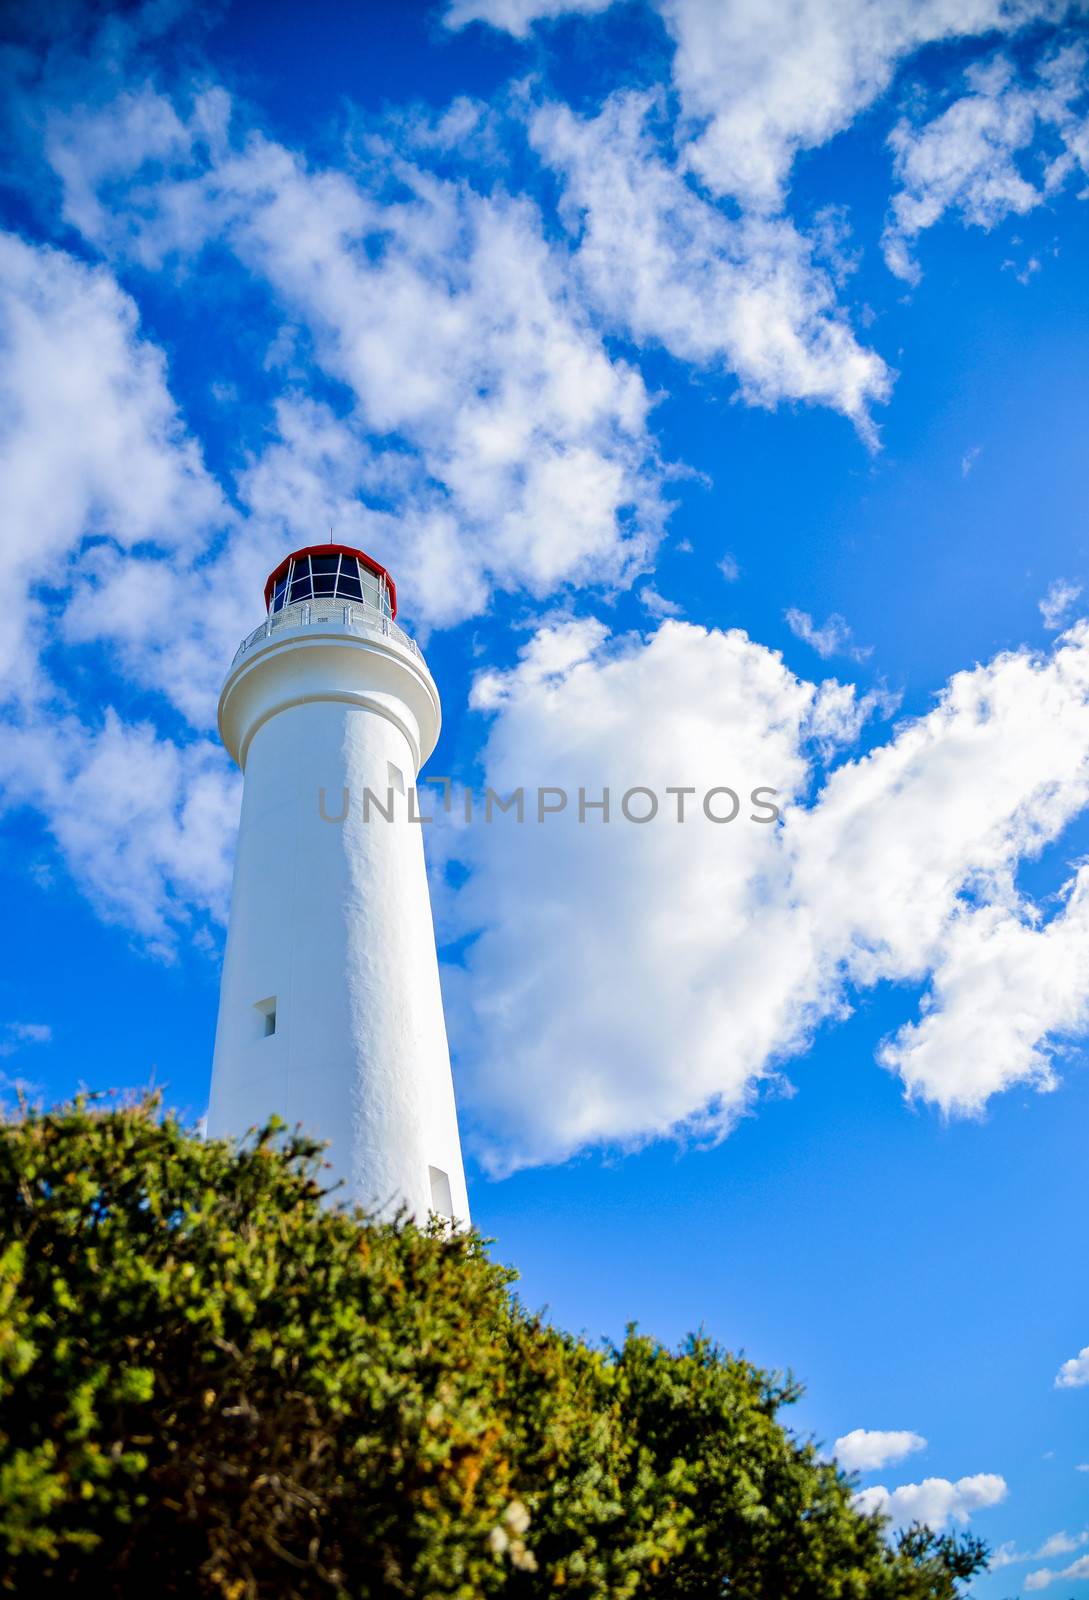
column 330, row 1011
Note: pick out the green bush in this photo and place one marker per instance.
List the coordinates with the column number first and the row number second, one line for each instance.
column 211, row 1383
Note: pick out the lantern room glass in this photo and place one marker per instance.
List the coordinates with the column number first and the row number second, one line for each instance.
column 320, row 577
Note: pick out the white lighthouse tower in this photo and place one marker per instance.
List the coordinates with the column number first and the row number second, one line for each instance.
column 330, row 1012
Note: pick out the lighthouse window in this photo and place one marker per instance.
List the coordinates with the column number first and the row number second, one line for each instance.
column 442, row 1202
column 372, row 589
column 324, row 570
column 348, row 581
column 266, row 1017
column 323, row 576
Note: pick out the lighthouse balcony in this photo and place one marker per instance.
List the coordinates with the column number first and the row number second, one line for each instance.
column 355, row 616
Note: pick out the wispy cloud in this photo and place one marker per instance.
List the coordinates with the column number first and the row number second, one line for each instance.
column 15, row 1035
column 1044, row 1577
column 516, row 16
column 970, row 159
column 748, row 295
column 1057, row 1544
column 831, row 638
column 657, row 604
column 1058, row 602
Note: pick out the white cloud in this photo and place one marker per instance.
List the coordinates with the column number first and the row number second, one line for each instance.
column 969, row 459
column 1043, row 1577
column 145, row 826
column 101, row 475
column 1056, row 605
column 666, row 266
column 839, row 713
column 461, row 338
column 729, row 568
column 656, row 605
column 653, row 976
column 760, row 82
column 1057, row 1544
column 31, row 1032
column 582, row 711
column 516, row 16
column 516, row 450
column 14, row 1035
column 91, row 444
column 831, row 638
column 966, row 160
column 1000, row 988
column 1074, row 1374
column 866, row 1449
column 963, row 159
column 1061, row 1544
column 92, row 146
column 935, row 1501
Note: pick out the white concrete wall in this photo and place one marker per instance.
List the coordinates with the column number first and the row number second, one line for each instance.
column 334, row 919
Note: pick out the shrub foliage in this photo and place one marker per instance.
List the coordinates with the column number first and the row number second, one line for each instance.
column 213, row 1383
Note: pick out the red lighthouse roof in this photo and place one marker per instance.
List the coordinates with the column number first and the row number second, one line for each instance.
column 316, row 570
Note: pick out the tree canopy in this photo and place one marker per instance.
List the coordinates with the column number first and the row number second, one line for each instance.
column 215, row 1382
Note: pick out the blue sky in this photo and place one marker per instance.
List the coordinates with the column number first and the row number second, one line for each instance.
column 712, row 379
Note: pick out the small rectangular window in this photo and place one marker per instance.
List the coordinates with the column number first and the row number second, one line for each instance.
column 266, row 1017
column 441, row 1200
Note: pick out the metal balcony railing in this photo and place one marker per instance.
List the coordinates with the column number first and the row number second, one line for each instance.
column 355, row 615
